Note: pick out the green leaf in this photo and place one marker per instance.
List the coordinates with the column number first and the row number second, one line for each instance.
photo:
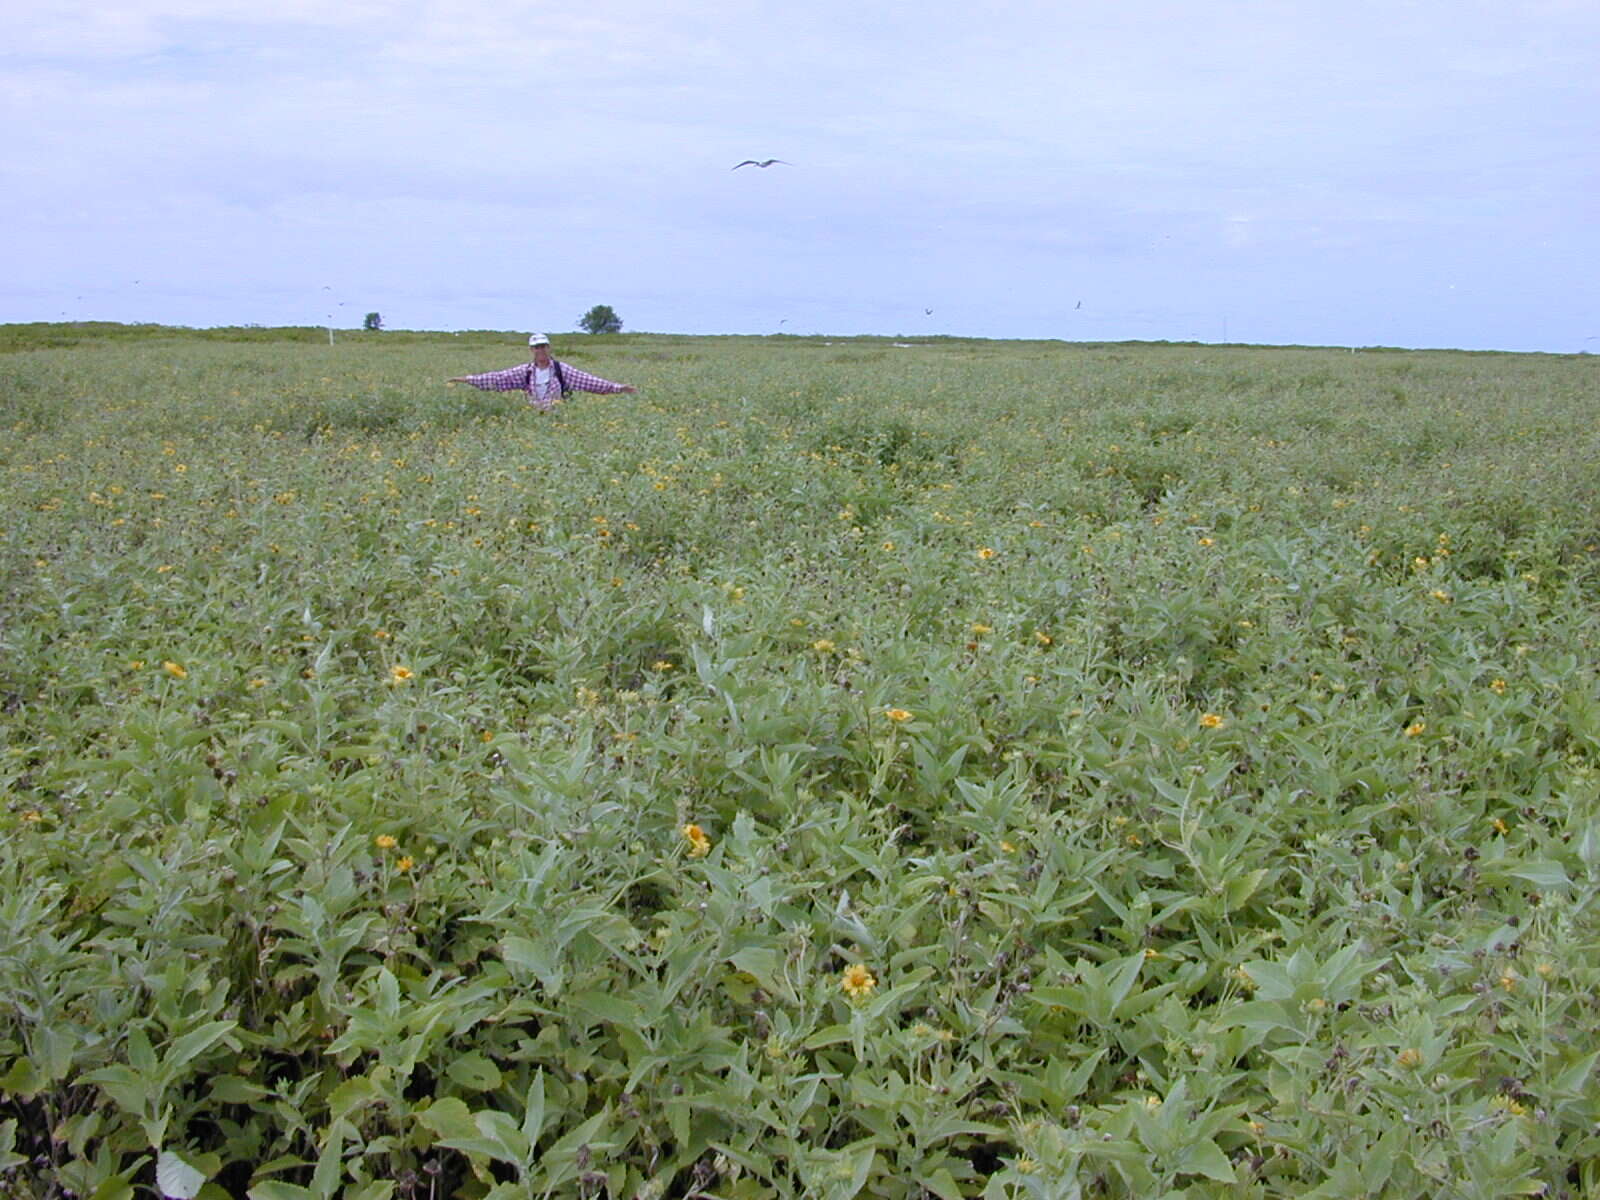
column 474, row 1071
column 234, row 1089
column 176, row 1178
column 588, row 1008
column 22, row 1080
column 276, row 1189
column 1547, row 876
column 538, row 957
column 942, row 1184
column 447, row 1118
column 193, row 1043
column 1206, row 1158
column 830, row 1035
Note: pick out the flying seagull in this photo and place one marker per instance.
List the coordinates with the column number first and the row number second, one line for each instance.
column 927, row 312
column 763, row 163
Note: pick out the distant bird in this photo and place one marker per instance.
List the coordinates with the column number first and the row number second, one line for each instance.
column 763, row 163
column 1079, row 304
column 927, row 312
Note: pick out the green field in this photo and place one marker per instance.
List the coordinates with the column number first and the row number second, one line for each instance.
column 1003, row 769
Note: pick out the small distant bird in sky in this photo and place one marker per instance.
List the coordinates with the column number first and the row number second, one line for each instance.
column 759, row 162
column 927, row 312
column 1079, row 304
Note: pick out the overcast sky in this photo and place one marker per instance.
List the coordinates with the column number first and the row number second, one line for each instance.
column 1333, row 172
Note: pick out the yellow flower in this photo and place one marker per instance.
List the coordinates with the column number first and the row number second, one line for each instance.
column 661, row 664
column 1508, row 981
column 897, row 714
column 888, row 546
column 1409, row 1058
column 822, row 646
column 1498, row 687
column 857, row 981
column 404, row 863
column 384, row 841
column 1043, row 638
column 980, row 628
column 1210, row 721
column 985, row 553
column 257, row 682
column 32, row 817
column 699, row 843
column 1415, row 728
column 1500, row 826
column 175, row 670
column 1439, row 594
column 136, row 665
column 1205, row 541
column 399, row 675
column 1509, row 1104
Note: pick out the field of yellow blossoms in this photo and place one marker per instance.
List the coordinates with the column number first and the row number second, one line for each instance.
column 955, row 769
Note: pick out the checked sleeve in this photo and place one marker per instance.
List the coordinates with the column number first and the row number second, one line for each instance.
column 512, row 379
column 582, row 381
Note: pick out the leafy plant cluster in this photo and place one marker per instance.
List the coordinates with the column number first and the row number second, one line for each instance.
column 960, row 770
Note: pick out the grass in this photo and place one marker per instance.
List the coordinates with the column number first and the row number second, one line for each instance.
column 966, row 769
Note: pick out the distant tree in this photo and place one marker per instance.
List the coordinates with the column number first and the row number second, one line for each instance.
column 602, row 318
column 373, row 323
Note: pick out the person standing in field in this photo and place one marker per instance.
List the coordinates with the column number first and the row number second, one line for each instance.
column 543, row 377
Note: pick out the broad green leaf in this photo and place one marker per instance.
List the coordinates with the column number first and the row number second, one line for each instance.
column 195, row 1042
column 277, row 1189
column 176, row 1178
column 1206, row 1158
column 474, row 1071
column 447, row 1118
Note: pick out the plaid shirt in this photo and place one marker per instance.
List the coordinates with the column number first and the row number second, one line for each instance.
column 520, row 378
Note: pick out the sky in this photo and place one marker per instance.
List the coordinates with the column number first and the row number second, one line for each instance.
column 1419, row 173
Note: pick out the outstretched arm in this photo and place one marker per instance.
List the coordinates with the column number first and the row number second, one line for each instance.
column 512, row 379
column 582, row 381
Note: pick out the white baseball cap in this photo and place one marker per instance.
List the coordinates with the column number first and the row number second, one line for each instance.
column 538, row 339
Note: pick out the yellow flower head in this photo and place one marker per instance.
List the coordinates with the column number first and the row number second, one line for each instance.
column 699, row 843
column 822, row 646
column 404, row 863
column 1410, row 1057
column 661, row 664
column 980, row 628
column 897, row 714
column 32, row 816
column 1210, row 721
column 1415, row 728
column 399, row 675
column 985, row 553
column 857, row 981
column 1043, row 638
column 175, row 670
column 1205, row 541
column 385, row 841
column 1498, row 687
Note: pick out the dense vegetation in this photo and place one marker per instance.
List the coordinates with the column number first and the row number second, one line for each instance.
column 953, row 769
